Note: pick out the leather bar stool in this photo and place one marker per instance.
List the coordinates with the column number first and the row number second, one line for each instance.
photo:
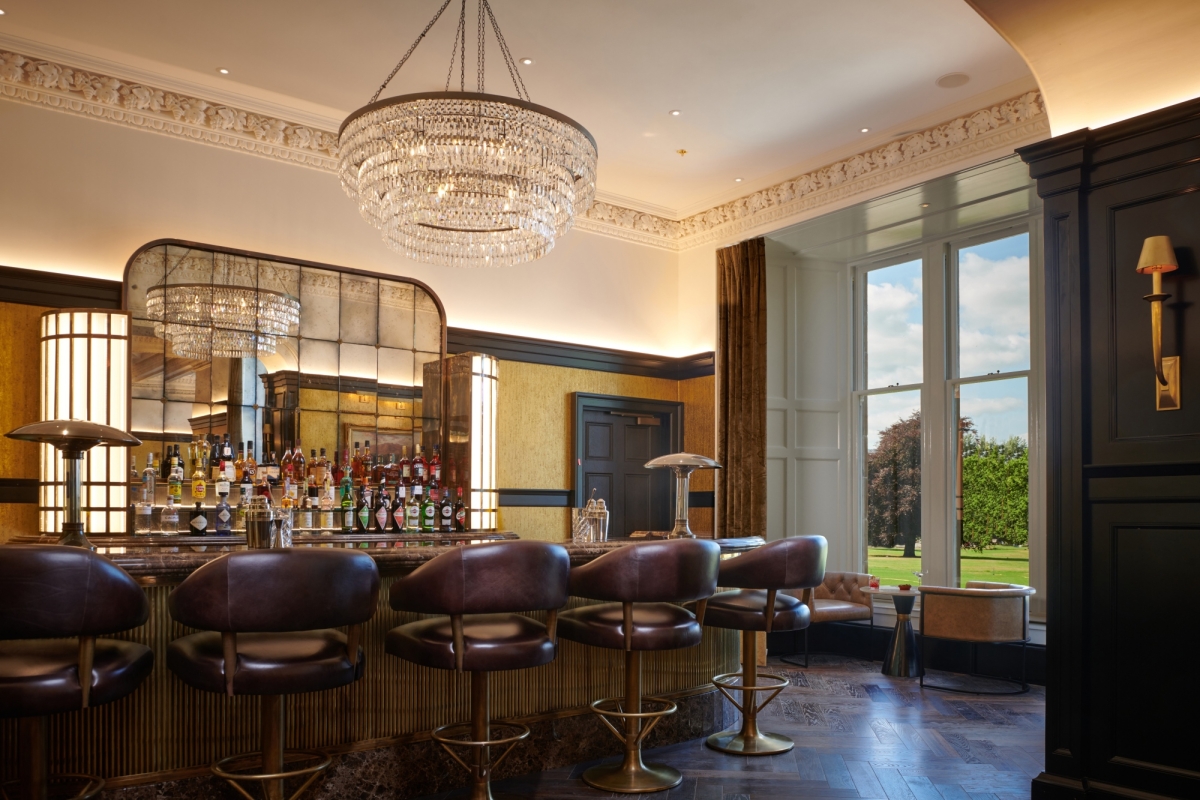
column 55, row 603
column 640, row 584
column 756, row 604
column 477, row 591
column 268, row 619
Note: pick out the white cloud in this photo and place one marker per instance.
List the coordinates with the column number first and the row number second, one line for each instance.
column 885, row 410
column 893, row 335
column 993, row 314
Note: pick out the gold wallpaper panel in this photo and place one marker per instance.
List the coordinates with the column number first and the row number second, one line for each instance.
column 20, row 404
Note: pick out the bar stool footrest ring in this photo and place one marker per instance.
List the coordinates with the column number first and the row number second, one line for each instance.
column 323, row 761
column 449, row 736
column 668, row 708
column 93, row 785
column 727, row 682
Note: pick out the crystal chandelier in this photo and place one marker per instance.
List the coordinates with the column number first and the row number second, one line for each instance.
column 467, row 178
column 204, row 320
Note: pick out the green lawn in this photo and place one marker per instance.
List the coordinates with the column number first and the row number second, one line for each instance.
column 1000, row 564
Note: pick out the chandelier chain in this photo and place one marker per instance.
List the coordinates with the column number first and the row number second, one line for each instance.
column 510, row 62
column 396, row 69
column 482, row 47
column 458, row 36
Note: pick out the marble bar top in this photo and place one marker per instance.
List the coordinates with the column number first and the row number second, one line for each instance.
column 153, row 565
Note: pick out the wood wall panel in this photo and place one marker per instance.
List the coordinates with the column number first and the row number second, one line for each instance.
column 20, row 404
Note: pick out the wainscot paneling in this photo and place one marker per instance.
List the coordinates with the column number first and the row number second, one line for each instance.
column 1123, row 493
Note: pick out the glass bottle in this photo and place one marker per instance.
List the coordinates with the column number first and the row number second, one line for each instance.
column 175, row 480
column 316, row 467
column 460, row 513
column 413, row 514
column 149, row 480
column 250, row 468
column 383, row 509
column 216, row 460
column 239, row 465
column 326, row 517
column 272, row 470
column 199, row 486
column 420, row 471
column 299, row 466
column 399, row 511
column 356, row 465
column 169, row 519
column 429, row 512
column 198, row 520
column 435, row 466
column 405, row 466
column 223, row 518
column 239, row 514
column 347, row 505
column 446, row 512
column 363, row 511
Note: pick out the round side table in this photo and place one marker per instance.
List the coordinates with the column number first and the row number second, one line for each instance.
column 902, row 659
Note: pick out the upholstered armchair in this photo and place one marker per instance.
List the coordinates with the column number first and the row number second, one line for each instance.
column 839, row 598
column 996, row 613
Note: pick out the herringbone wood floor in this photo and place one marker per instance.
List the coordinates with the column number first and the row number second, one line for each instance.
column 858, row 734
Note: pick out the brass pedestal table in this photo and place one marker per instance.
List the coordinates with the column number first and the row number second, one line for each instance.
column 903, row 656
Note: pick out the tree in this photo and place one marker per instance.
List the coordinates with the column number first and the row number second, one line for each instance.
column 995, row 492
column 894, row 486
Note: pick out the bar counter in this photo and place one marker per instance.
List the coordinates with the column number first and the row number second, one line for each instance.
column 167, row 731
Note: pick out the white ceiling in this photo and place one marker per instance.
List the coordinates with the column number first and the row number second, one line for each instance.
column 765, row 86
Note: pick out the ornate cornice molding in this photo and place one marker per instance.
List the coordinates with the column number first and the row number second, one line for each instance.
column 57, row 86
column 75, row 91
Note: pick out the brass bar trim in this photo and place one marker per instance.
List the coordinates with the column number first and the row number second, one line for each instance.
column 87, row 657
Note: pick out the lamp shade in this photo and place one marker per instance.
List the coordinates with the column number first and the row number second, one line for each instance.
column 1157, row 255
column 72, row 435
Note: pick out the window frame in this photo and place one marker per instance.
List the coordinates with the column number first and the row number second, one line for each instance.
column 939, row 255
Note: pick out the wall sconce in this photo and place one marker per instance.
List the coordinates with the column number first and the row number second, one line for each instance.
column 85, row 376
column 470, row 382
column 1158, row 257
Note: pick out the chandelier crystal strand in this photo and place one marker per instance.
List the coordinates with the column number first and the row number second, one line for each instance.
column 467, row 179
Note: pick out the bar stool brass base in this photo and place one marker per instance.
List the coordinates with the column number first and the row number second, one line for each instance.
column 34, row 780
column 632, row 775
column 477, row 735
column 272, row 757
column 750, row 741
column 93, row 784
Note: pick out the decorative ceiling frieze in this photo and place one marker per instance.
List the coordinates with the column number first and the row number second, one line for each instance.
column 48, row 84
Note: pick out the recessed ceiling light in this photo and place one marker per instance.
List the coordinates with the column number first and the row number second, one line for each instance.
column 953, row 80
column 864, row 130
column 222, row 70
column 1, row 12
column 527, row 61
column 675, row 112
column 681, row 152
column 924, row 205
column 737, row 180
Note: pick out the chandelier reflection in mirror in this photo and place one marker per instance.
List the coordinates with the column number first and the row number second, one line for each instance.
column 467, row 178
column 226, row 317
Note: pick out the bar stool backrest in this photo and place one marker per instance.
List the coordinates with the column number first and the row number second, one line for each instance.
column 671, row 571
column 499, row 578
column 795, row 563
column 267, row 591
column 51, row 591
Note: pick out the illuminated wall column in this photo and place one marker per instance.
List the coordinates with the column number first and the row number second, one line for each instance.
column 85, row 375
column 471, row 385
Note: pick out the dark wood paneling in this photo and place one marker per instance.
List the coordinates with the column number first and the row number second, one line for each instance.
column 1123, row 493
column 53, row 289
column 18, row 490
column 542, row 498
column 579, row 356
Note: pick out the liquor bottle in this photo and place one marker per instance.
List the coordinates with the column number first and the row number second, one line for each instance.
column 198, row 522
column 446, row 512
column 363, row 510
column 285, row 463
column 356, row 465
column 378, row 469
column 383, row 509
column 272, row 470
column 429, row 512
column 347, row 505
column 149, row 480
column 420, row 470
column 216, row 462
column 340, row 468
column 326, row 517
column 299, row 466
column 223, row 522
column 227, row 455
column 413, row 512
column 399, row 511
column 313, row 469
column 392, row 471
column 175, row 480
column 435, row 466
column 164, row 466
column 367, row 461
column 287, row 500
column 239, row 465
column 250, row 471
column 222, row 485
column 460, row 513
column 168, row 521
column 405, row 466
column 199, row 487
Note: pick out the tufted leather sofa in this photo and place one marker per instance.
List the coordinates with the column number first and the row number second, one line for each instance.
column 839, row 598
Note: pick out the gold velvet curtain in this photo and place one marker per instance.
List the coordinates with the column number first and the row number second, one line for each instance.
column 742, row 389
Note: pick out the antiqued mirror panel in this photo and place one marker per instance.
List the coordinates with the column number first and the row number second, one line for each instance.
column 276, row 355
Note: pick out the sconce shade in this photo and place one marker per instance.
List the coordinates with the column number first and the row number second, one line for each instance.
column 1157, row 255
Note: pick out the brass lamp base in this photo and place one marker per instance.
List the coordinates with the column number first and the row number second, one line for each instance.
column 633, row 778
column 750, row 741
column 73, row 536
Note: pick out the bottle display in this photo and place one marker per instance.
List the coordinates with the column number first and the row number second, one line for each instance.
column 429, row 512
column 399, row 511
column 271, row 468
column 405, row 466
column 223, row 518
column 460, row 513
column 435, row 466
column 198, row 520
column 413, row 512
column 382, row 510
column 175, row 479
column 420, row 473
column 239, row 465
column 347, row 505
column 446, row 512
column 168, row 520
column 363, row 510
column 250, row 469
column 199, row 485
